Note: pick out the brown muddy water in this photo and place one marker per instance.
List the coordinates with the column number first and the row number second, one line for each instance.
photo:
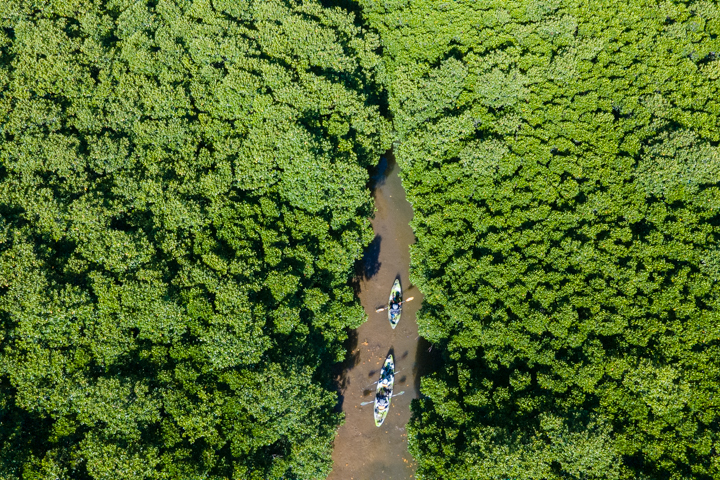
column 363, row 451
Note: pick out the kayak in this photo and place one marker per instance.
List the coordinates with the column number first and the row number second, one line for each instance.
column 384, row 390
column 396, row 295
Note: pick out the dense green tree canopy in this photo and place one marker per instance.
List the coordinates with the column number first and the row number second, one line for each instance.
column 182, row 197
column 183, row 194
column 562, row 160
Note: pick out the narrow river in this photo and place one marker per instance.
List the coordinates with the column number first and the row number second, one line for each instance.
column 362, row 450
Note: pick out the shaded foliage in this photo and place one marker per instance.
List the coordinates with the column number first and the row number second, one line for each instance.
column 183, row 196
column 562, row 161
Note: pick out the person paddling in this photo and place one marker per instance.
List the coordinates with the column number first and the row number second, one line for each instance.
column 382, row 403
column 394, row 305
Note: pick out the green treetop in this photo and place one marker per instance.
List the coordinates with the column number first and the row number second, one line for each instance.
column 182, row 197
column 562, row 161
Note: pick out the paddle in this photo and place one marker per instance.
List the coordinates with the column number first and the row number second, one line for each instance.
column 372, row 401
column 382, row 309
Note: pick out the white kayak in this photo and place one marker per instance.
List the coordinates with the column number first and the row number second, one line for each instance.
column 384, row 390
column 395, row 304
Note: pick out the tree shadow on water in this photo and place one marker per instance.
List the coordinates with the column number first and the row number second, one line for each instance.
column 427, row 360
column 371, row 258
column 369, row 265
column 341, row 379
column 380, row 173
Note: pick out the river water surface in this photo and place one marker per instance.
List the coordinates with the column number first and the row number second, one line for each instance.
column 363, row 451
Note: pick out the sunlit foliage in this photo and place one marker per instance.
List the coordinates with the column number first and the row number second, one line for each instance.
column 182, row 197
column 562, row 161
